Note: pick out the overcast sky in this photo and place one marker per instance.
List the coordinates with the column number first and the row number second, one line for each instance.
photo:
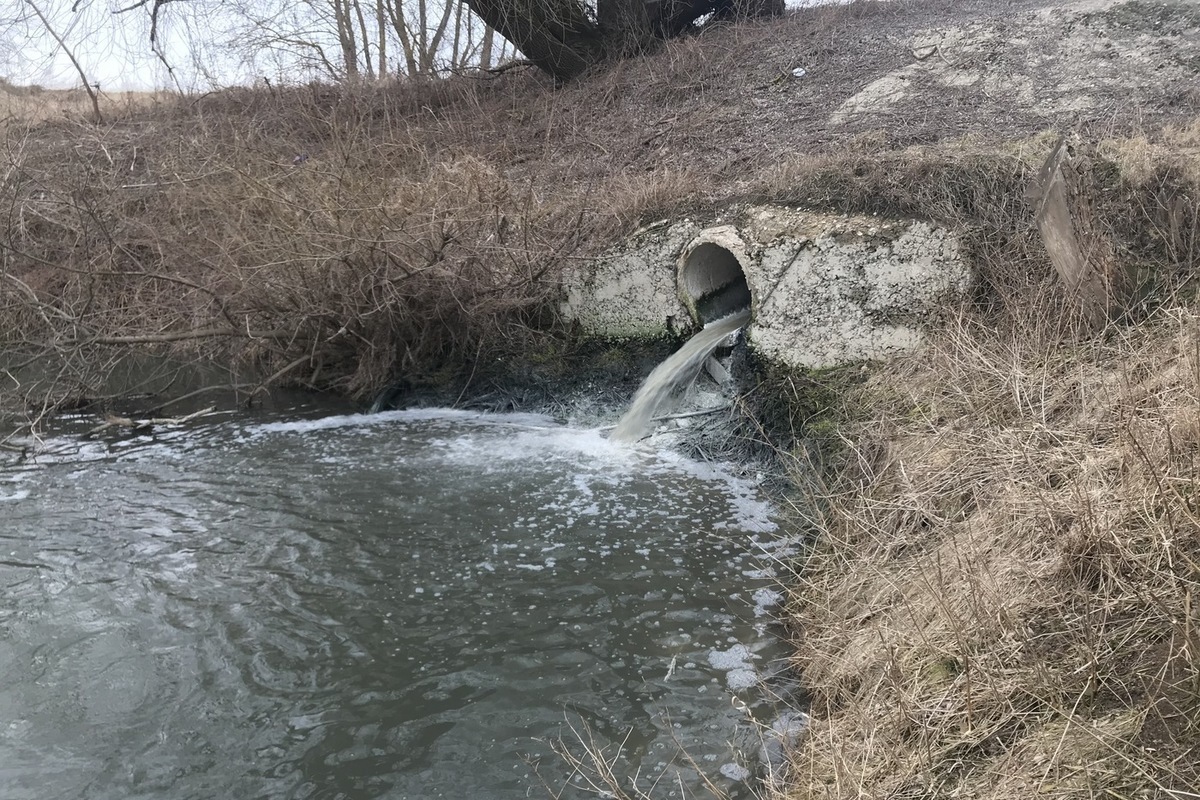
column 114, row 49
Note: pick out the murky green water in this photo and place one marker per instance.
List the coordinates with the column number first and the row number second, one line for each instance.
column 407, row 605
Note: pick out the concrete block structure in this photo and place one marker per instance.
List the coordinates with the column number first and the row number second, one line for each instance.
column 823, row 289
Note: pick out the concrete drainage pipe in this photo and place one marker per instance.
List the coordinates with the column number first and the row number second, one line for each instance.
column 711, row 278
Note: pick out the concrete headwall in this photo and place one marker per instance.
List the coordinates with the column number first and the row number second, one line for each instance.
column 824, row 289
column 630, row 290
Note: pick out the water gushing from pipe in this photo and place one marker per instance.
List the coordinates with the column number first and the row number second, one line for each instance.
column 680, row 368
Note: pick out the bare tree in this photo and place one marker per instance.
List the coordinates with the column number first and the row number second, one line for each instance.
column 566, row 37
column 485, row 55
column 381, row 46
column 361, row 39
column 87, row 84
column 562, row 37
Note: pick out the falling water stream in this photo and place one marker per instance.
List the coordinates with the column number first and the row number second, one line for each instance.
column 401, row 605
column 672, row 373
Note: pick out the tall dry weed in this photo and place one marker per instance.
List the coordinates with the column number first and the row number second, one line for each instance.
column 316, row 238
column 1005, row 602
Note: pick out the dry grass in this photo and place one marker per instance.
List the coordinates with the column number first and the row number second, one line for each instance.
column 341, row 239
column 305, row 238
column 338, row 238
column 599, row 769
column 22, row 106
column 344, row 237
column 1005, row 603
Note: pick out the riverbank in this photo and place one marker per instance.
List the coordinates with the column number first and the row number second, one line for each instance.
column 352, row 238
column 1003, row 602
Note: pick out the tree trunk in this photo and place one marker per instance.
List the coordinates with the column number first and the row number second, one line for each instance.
column 456, row 54
column 400, row 24
column 345, row 32
column 366, row 39
column 435, row 44
column 561, row 38
column 556, row 35
column 485, row 57
column 626, row 27
column 421, row 36
column 381, row 46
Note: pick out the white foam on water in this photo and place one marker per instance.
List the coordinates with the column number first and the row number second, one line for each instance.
column 764, row 600
column 599, row 462
column 751, row 512
column 736, row 657
column 403, row 416
column 741, row 679
column 20, row 494
column 505, row 442
column 737, row 664
column 69, row 449
column 532, row 446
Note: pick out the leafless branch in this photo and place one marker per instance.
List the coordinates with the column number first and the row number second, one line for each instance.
column 87, row 85
column 155, row 7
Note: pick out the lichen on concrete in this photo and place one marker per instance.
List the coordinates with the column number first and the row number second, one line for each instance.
column 629, row 291
column 1063, row 59
column 830, row 289
column 826, row 289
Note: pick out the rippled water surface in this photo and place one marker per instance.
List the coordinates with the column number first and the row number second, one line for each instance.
column 405, row 605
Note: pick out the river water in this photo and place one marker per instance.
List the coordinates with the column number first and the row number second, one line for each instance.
column 402, row 605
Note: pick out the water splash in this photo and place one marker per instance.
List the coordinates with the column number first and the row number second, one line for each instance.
column 677, row 370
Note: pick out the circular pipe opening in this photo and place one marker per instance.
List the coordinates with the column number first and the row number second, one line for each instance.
column 711, row 282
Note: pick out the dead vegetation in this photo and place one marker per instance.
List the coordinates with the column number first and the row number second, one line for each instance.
column 21, row 106
column 1003, row 601
column 345, row 237
column 334, row 238
column 201, row 233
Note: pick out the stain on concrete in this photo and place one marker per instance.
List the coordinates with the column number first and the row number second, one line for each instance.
column 825, row 289
column 1061, row 60
column 629, row 291
column 832, row 289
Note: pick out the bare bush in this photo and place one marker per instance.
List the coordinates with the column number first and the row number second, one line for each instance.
column 339, row 266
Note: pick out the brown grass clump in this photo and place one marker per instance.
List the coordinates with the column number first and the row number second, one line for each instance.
column 1006, row 602
column 302, row 239
column 334, row 237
